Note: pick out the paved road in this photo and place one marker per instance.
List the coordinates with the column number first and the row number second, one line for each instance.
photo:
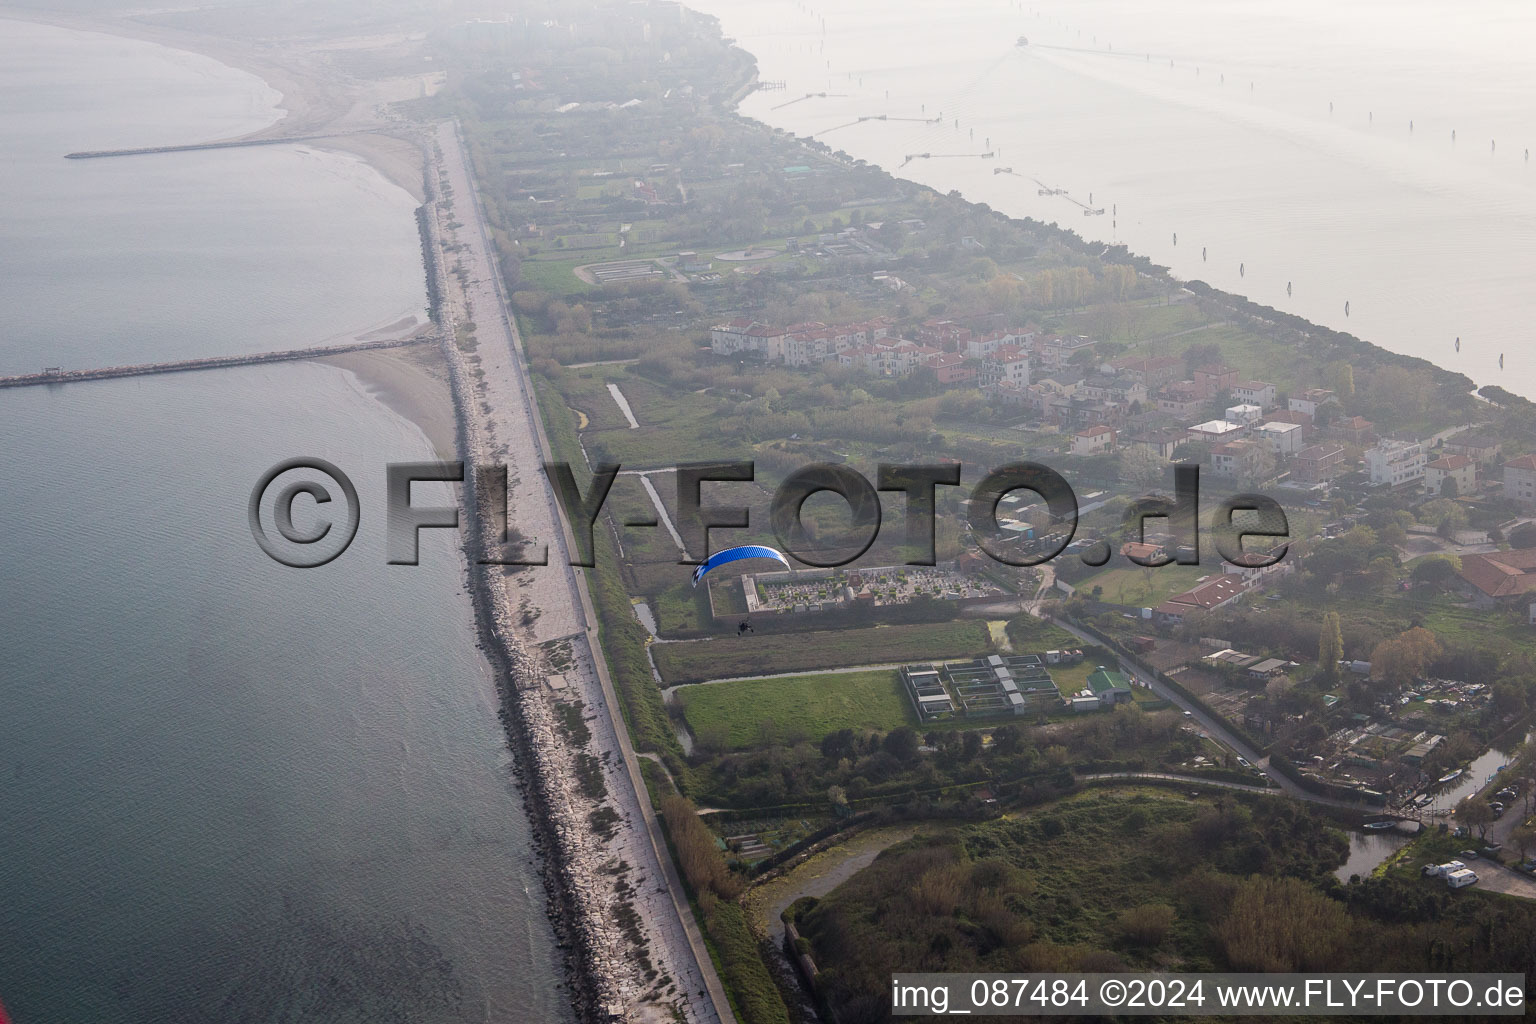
column 1212, row 724
column 1191, row 780
column 565, row 608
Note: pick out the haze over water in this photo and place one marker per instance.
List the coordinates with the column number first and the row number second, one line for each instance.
column 1427, row 239
column 233, row 791
column 167, row 256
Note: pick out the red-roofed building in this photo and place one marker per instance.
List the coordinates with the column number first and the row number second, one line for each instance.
column 1301, row 419
column 1500, row 576
column 1181, row 399
column 1317, row 464
column 1355, row 429
column 951, row 368
column 1093, row 440
column 1204, row 597
column 1154, row 373
column 1458, row 468
column 1212, row 380
column 1008, row 365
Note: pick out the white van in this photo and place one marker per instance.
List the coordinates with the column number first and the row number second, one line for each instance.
column 1443, row 870
column 1461, row 879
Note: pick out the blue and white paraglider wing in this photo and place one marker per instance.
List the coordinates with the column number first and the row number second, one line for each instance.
column 736, row 554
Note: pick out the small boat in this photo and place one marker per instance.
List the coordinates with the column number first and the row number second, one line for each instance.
column 1458, row 343
column 1242, row 270
column 1423, row 801
column 1453, row 776
column 1501, row 360
column 1287, row 288
column 1378, row 825
column 1346, row 309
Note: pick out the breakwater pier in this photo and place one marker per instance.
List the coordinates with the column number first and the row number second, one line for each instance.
column 281, row 140
column 59, row 375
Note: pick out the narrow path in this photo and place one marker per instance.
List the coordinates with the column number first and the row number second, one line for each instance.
column 1193, row 780
column 623, row 404
column 661, row 510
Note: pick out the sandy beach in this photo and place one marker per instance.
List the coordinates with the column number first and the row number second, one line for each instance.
column 635, row 950
column 314, row 98
column 412, row 381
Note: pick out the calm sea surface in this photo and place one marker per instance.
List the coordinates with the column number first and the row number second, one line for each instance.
column 232, row 791
column 1233, row 148
column 149, row 258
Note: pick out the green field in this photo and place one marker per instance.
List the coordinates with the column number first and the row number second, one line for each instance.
column 1143, row 588
column 762, row 712
column 1030, row 635
column 728, row 657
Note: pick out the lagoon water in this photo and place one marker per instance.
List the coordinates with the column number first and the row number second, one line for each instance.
column 233, row 791
column 1233, row 147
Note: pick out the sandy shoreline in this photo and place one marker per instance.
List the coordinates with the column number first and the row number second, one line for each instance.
column 311, row 100
column 411, row 381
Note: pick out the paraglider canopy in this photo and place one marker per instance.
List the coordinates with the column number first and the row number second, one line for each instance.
column 736, row 554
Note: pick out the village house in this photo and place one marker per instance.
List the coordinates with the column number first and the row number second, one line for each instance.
column 1057, row 351
column 1088, row 411
column 1310, row 401
column 1144, row 552
column 1520, row 479
column 980, row 346
column 1109, row 687
column 747, row 336
column 1050, row 400
column 1459, row 469
column 1355, row 430
column 1159, row 442
column 1244, row 415
column 1007, row 365
column 1238, row 459
column 1215, row 431
column 1093, row 440
column 1214, row 380
column 1394, row 463
column 1153, row 373
column 1255, row 392
column 1480, row 448
column 1282, row 438
column 951, row 368
column 1301, row 419
column 1122, row 391
column 1181, row 399
column 1318, row 463
column 944, row 334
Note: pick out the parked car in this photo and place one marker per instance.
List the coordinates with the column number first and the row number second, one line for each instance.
column 1468, row 855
